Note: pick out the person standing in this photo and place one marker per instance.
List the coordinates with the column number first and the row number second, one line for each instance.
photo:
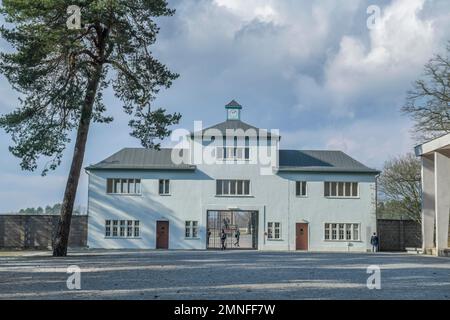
column 237, row 235
column 223, row 238
column 208, row 236
column 374, row 241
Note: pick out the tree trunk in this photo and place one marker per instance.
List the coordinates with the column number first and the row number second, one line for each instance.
column 62, row 233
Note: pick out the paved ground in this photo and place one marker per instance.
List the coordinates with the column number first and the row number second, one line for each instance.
column 224, row 275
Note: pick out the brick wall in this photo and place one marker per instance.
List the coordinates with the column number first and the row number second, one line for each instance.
column 396, row 235
column 37, row 231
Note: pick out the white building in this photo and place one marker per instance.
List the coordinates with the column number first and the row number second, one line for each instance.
column 435, row 156
column 282, row 200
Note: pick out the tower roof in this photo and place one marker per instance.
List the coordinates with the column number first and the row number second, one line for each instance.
column 233, row 104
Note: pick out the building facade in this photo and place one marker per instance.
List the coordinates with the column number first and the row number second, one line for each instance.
column 435, row 156
column 231, row 178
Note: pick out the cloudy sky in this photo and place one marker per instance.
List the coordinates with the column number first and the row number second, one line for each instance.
column 312, row 69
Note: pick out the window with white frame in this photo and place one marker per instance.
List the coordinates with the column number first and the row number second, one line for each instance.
column 341, row 189
column 233, row 187
column 164, row 187
column 122, row 228
column 136, row 228
column 300, row 188
column 233, row 153
column 191, row 229
column 274, row 230
column 123, row 186
column 342, row 231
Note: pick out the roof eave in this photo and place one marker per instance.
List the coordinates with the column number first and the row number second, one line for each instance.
column 328, row 170
column 167, row 168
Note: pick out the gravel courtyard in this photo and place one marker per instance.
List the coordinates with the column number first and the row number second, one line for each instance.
column 128, row 274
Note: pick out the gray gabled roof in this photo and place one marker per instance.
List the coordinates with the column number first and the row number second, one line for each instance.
column 320, row 161
column 141, row 159
column 232, row 125
column 289, row 161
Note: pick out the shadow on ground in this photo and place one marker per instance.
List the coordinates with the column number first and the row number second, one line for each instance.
column 134, row 274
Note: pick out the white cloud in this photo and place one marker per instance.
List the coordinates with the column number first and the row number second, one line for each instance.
column 399, row 46
column 371, row 142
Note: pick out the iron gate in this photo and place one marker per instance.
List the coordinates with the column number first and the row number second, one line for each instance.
column 240, row 227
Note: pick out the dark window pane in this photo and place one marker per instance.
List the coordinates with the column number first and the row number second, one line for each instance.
column 304, row 188
column 240, row 186
column 247, row 153
column 138, row 186
column 327, row 189
column 341, row 189
column 219, row 187
column 247, row 187
column 161, row 186
column 233, row 187
column 226, row 186
column 109, row 185
column 333, row 192
column 348, row 185
column 167, row 187
column 354, row 189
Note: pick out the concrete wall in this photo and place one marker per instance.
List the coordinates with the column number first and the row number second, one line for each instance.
column 194, row 192
column 36, row 231
column 396, row 235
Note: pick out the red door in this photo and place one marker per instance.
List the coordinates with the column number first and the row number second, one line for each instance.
column 162, row 234
column 301, row 241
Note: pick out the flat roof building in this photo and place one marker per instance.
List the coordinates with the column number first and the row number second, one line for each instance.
column 435, row 155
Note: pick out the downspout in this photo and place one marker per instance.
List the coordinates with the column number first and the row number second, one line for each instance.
column 288, row 215
column 376, row 208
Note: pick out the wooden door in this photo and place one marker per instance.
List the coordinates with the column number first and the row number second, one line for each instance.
column 162, row 234
column 301, row 241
